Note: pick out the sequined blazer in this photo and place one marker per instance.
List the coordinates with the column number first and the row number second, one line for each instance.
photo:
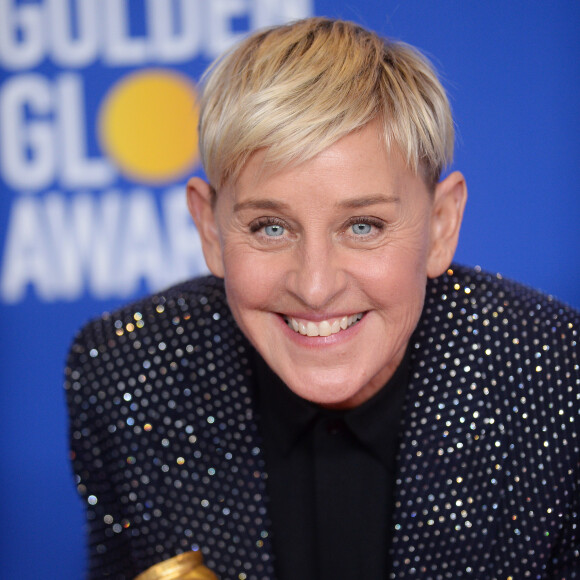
column 168, row 456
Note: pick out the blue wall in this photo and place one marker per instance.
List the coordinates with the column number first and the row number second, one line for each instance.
column 511, row 69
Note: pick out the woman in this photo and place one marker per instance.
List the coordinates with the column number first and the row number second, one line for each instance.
column 337, row 400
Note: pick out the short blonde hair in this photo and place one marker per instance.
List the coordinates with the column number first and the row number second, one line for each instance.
column 296, row 89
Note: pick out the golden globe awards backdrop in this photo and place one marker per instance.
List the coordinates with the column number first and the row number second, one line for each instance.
column 98, row 117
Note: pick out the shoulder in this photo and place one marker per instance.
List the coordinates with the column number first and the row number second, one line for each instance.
column 491, row 418
column 200, row 299
column 499, row 306
column 159, row 336
column 199, row 302
column 161, row 412
column 521, row 344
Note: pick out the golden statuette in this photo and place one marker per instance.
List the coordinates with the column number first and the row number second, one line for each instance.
column 187, row 566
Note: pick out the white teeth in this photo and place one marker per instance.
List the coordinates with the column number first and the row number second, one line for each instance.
column 311, row 329
column 324, row 328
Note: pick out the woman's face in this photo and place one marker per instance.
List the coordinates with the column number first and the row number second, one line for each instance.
column 325, row 263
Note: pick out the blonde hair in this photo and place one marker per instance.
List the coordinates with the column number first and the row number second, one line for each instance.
column 296, row 89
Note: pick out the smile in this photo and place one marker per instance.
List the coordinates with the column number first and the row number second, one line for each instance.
column 323, row 328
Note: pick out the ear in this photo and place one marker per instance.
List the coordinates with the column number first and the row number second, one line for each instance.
column 447, row 214
column 201, row 207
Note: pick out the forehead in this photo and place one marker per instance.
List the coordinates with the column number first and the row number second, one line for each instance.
column 359, row 162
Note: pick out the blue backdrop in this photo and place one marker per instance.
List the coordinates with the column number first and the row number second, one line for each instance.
column 90, row 218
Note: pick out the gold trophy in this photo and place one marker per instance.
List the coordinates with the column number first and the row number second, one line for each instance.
column 186, row 566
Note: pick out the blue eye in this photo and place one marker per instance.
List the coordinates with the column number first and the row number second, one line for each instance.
column 361, row 229
column 274, row 230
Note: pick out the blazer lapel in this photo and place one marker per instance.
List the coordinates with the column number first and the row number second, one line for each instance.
column 450, row 464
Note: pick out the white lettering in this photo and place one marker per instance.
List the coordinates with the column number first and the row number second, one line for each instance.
column 270, row 12
column 75, row 33
column 22, row 39
column 83, row 238
column 43, row 130
column 106, row 245
column 68, row 48
column 27, row 145
column 176, row 33
column 97, row 230
column 27, row 256
column 120, row 47
column 143, row 255
column 66, row 276
column 220, row 14
column 77, row 170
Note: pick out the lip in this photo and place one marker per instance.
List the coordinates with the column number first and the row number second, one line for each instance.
column 319, row 341
column 320, row 316
column 324, row 328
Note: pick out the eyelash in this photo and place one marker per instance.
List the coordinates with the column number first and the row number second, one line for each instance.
column 377, row 224
column 374, row 222
column 261, row 223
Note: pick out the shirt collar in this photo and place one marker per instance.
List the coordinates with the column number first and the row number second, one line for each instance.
column 285, row 417
column 376, row 422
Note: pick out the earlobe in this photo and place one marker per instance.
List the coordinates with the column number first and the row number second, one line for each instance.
column 447, row 215
column 201, row 207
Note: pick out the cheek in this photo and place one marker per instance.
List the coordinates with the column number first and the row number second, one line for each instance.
column 251, row 280
column 397, row 275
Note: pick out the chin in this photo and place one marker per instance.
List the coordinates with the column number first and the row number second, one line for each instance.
column 326, row 394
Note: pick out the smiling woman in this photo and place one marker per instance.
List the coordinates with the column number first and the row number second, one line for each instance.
column 351, row 233
column 337, row 400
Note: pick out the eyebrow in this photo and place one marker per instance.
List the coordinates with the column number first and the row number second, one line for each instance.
column 260, row 204
column 370, row 200
column 349, row 203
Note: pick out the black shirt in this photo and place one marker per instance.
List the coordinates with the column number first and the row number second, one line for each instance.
column 331, row 477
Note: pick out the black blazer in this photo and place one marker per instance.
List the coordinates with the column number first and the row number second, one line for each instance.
column 168, row 456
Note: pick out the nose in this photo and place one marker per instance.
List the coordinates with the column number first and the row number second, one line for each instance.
column 317, row 277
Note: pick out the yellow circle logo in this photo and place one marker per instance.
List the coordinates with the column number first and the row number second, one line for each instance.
column 148, row 125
